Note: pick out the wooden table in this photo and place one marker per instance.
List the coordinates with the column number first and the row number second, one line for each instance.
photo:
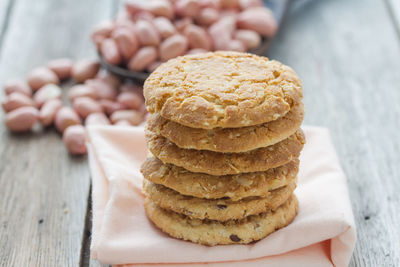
column 347, row 53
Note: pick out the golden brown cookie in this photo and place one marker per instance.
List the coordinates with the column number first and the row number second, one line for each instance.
column 222, row 89
column 211, row 233
column 235, row 187
column 216, row 209
column 229, row 139
column 216, row 163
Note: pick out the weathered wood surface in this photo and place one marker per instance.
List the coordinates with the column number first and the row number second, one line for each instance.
column 5, row 11
column 43, row 191
column 393, row 7
column 348, row 54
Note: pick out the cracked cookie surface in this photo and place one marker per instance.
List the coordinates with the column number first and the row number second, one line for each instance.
column 216, row 209
column 235, row 187
column 222, row 89
column 211, row 233
column 216, row 163
column 229, row 139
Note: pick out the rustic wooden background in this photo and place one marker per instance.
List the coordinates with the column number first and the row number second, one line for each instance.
column 347, row 52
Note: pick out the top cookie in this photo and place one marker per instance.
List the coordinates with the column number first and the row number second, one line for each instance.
column 222, row 89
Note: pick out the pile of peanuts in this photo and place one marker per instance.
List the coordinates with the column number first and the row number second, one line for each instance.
column 149, row 32
column 98, row 97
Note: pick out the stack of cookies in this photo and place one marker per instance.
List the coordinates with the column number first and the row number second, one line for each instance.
column 225, row 138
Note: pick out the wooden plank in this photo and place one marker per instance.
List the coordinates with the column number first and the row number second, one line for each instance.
column 394, row 10
column 6, row 7
column 43, row 190
column 87, row 261
column 347, row 53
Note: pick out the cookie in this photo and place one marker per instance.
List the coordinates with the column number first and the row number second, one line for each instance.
column 222, row 89
column 229, row 139
column 235, row 187
column 211, row 233
column 216, row 163
column 216, row 209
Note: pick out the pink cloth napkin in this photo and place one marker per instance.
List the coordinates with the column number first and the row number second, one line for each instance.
column 322, row 234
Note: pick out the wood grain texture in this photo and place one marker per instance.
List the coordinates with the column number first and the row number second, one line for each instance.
column 347, row 53
column 6, row 7
column 43, row 191
column 394, row 11
column 87, row 261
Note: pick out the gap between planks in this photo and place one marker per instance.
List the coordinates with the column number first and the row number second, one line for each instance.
column 393, row 7
column 6, row 8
